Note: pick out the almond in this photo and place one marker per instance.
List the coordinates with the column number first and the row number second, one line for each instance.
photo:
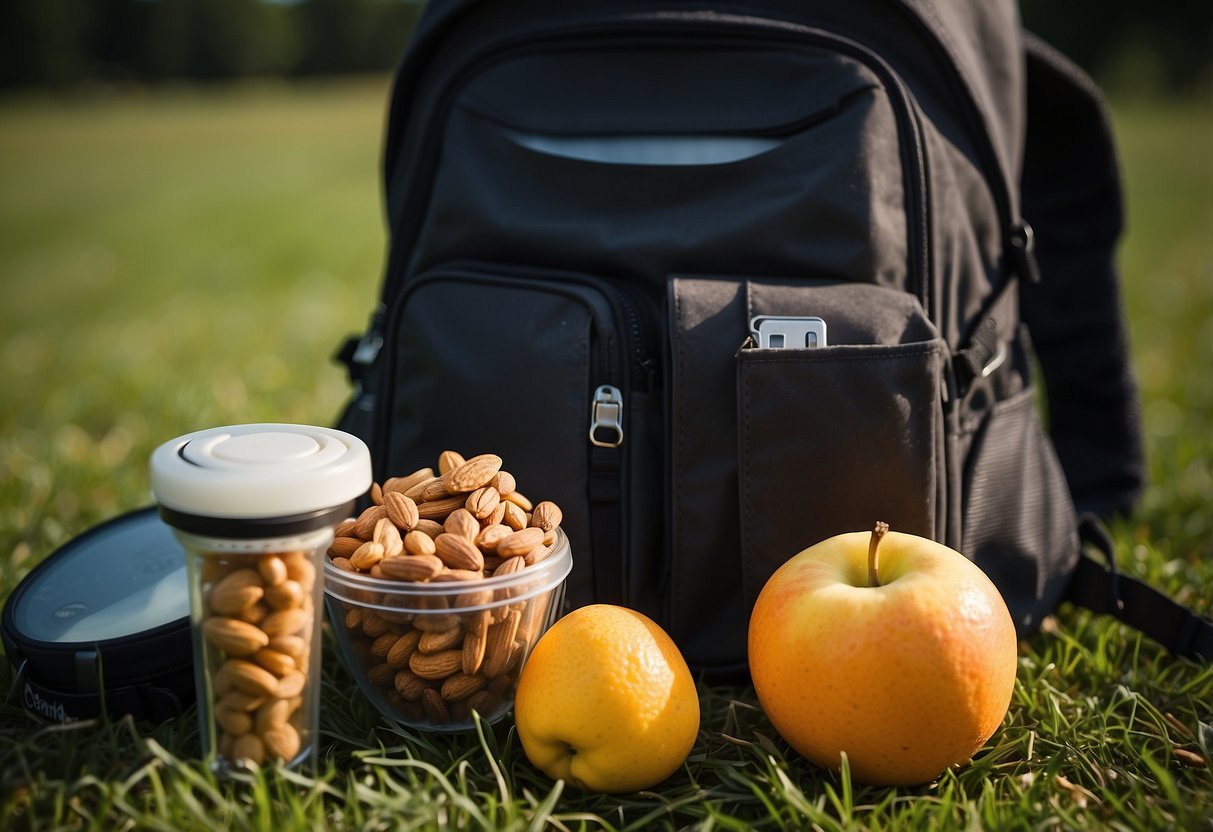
column 462, row 522
column 344, row 564
column 497, row 516
column 239, row 638
column 490, row 536
column 514, row 517
column 286, row 623
column 237, row 700
column 388, row 536
column 251, row 678
column 436, row 665
column 231, row 600
column 369, row 554
column 509, row 566
column 434, row 490
column 286, row 594
column 518, row 499
column 365, row 527
column 435, row 623
column 402, row 484
column 473, row 651
column 401, row 510
column 539, row 553
column 439, row 509
column 343, row 547
column 382, row 645
column 420, row 487
column 435, row 709
column 374, row 624
column 403, row 648
column 291, row 685
column 353, row 618
column 277, row 663
column 410, row 686
column 458, row 552
column 475, row 598
column 293, row 646
column 281, row 741
column 381, row 675
column 411, row 567
column 499, row 644
column 272, row 570
column 237, row 590
column 418, row 543
column 429, row 527
column 299, row 567
column 484, row 703
column 473, row 474
column 232, row 721
column 254, row 614
column 477, row 622
column 459, row 575
column 247, row 749
column 462, row 685
column 483, row 502
column 376, row 494
column 272, row 713
column 441, row 640
column 521, row 542
column 547, row 516
column 346, row 527
column 448, row 460
column 504, row 482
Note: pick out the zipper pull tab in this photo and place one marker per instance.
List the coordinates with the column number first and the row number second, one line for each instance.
column 1022, row 242
column 606, row 419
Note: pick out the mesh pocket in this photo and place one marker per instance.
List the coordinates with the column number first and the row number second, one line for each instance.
column 1019, row 522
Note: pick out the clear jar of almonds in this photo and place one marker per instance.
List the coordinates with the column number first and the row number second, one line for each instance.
column 255, row 507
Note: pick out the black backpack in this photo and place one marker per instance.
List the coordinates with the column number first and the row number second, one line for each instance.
column 726, row 279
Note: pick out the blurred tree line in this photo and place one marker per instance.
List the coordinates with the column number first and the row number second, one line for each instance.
column 62, row 43
column 1131, row 45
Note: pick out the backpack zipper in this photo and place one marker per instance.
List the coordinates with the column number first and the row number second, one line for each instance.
column 1019, row 240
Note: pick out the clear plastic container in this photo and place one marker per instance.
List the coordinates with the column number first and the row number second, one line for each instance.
column 429, row 654
column 255, row 507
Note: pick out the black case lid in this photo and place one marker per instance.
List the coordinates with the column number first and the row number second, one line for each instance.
column 111, row 607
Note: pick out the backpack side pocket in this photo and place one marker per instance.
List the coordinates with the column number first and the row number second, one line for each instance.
column 1020, row 526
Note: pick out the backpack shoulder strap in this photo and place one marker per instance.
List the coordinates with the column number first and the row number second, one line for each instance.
column 1071, row 196
column 1102, row 588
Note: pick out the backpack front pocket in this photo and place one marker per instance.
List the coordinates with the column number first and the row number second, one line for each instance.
column 550, row 370
column 822, row 440
column 834, row 438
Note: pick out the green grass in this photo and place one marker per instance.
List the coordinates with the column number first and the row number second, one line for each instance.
column 188, row 258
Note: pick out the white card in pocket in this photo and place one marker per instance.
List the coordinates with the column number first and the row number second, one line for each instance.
column 790, row 333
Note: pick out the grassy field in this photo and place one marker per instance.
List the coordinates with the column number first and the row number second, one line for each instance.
column 192, row 258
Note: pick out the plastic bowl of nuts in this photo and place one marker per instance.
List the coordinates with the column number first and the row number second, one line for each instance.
column 438, row 591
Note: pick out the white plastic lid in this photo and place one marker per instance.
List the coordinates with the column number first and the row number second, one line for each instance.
column 288, row 475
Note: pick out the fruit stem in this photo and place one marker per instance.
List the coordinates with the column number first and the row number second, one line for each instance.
column 878, row 534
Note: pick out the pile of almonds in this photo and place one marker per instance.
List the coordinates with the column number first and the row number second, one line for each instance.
column 258, row 623
column 455, row 651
